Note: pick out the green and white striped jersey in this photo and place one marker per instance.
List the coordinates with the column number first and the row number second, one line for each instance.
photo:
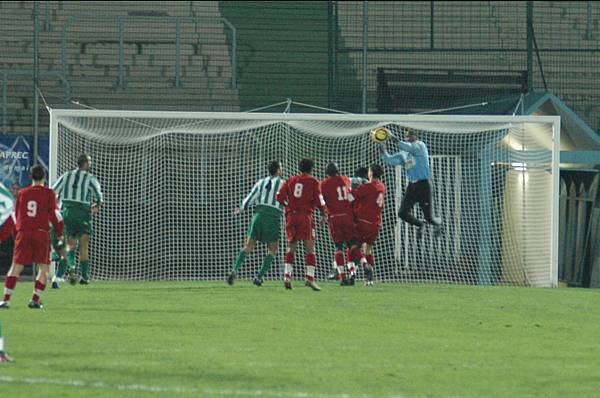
column 78, row 186
column 264, row 193
column 7, row 203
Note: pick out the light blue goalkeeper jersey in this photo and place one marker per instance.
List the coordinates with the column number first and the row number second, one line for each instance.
column 414, row 156
column 264, row 193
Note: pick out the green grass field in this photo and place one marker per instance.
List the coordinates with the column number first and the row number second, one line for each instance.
column 206, row 339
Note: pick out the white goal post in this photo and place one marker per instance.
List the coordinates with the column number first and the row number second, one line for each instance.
column 172, row 179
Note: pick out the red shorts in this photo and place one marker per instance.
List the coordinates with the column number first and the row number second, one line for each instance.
column 341, row 227
column 299, row 226
column 366, row 232
column 32, row 247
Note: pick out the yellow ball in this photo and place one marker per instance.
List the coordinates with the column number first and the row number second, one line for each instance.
column 380, row 134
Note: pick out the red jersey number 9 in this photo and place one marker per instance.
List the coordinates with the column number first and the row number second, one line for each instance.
column 32, row 208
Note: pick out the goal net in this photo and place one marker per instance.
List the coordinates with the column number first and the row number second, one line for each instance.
column 172, row 180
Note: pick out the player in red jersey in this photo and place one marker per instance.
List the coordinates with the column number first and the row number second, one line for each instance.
column 368, row 204
column 300, row 195
column 338, row 205
column 35, row 209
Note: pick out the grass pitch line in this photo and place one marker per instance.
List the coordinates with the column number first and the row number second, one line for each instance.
column 98, row 384
column 178, row 390
column 283, row 394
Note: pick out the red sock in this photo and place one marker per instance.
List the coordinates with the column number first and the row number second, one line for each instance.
column 370, row 260
column 339, row 261
column 37, row 291
column 310, row 260
column 9, row 285
column 356, row 254
column 289, row 258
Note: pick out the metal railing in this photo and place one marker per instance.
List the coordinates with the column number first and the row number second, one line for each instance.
column 8, row 74
column 122, row 20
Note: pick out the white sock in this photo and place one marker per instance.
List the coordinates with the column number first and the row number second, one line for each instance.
column 288, row 270
column 351, row 267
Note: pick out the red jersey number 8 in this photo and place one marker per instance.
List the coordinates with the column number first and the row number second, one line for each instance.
column 32, row 208
column 298, row 190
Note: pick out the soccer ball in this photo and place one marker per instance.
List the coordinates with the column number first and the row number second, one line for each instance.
column 380, row 135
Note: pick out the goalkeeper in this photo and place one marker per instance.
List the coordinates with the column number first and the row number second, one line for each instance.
column 414, row 156
column 80, row 193
column 266, row 222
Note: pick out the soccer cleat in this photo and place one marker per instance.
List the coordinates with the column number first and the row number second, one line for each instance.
column 313, row 285
column 257, row 281
column 73, row 276
column 83, row 281
column 231, row 278
column 369, row 283
column 35, row 305
column 4, row 357
column 345, row 281
column 55, row 285
column 4, row 305
column 288, row 284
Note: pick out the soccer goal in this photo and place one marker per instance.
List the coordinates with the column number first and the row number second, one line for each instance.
column 172, row 180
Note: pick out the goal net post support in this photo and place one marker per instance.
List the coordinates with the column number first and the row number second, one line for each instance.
column 172, row 179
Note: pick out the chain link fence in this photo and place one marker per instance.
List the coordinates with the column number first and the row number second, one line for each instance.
column 228, row 56
column 434, row 47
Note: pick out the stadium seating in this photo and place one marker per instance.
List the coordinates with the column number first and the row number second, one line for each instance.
column 283, row 51
column 474, row 26
column 93, row 57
